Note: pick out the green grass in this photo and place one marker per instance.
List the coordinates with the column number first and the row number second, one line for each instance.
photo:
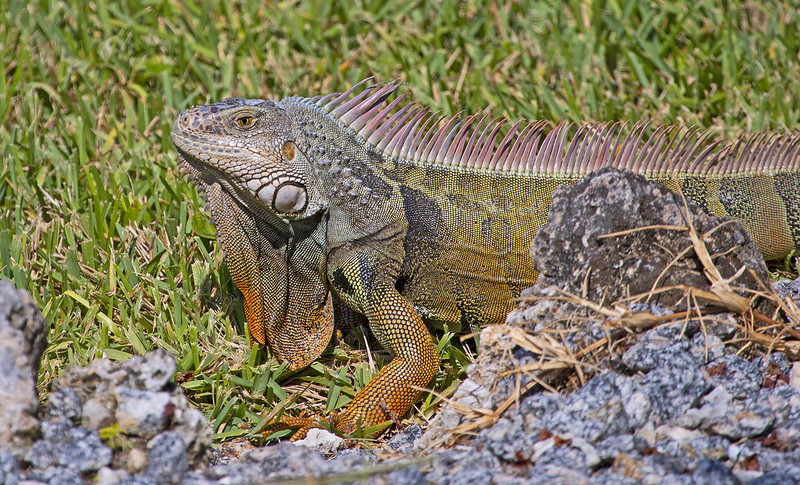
column 98, row 224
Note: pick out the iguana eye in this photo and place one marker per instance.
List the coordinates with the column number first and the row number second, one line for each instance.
column 245, row 121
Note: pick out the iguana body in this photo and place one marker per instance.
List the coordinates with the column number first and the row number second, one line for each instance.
column 412, row 220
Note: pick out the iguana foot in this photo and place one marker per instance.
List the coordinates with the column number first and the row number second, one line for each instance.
column 303, row 424
column 341, row 424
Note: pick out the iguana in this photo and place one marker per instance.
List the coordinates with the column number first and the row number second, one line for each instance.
column 347, row 204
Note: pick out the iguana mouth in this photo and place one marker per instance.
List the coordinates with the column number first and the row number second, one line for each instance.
column 285, row 196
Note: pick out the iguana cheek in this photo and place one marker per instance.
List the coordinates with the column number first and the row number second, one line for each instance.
column 290, row 197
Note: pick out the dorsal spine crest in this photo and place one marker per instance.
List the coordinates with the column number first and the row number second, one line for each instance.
column 415, row 135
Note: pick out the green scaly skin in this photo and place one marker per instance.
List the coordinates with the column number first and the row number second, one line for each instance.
column 309, row 214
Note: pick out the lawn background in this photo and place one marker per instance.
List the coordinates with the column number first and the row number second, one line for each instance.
column 98, row 225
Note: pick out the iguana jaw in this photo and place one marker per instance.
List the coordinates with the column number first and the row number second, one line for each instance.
column 282, row 195
column 202, row 176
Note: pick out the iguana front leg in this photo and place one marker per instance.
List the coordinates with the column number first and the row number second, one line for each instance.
column 390, row 394
column 362, row 282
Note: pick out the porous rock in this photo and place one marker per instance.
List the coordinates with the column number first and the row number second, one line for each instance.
column 139, row 396
column 574, row 251
column 404, row 441
column 151, row 372
column 82, row 450
column 322, row 441
column 9, row 468
column 272, row 463
column 155, row 435
column 166, row 458
column 23, row 337
column 790, row 288
column 665, row 410
column 141, row 412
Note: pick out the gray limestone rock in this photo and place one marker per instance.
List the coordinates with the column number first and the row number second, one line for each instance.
column 788, row 475
column 137, row 480
column 152, row 372
column 23, row 337
column 56, row 431
column 673, row 390
column 462, row 465
column 109, row 476
column 404, row 442
column 507, row 441
column 166, row 458
column 569, row 253
column 321, row 440
column 790, row 288
column 193, row 428
column 533, row 409
column 470, row 477
column 739, row 376
column 655, row 352
column 138, row 395
column 82, row 450
column 410, row 475
column 64, row 404
column 41, row 454
column 142, row 413
column 707, row 347
column 272, row 463
column 555, row 474
column 595, row 411
column 54, row 476
column 95, row 414
column 711, row 471
column 350, row 459
column 9, row 468
column 140, row 399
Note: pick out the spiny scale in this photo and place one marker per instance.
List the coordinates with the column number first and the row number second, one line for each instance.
column 416, row 134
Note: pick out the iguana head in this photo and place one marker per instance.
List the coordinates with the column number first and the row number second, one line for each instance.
column 249, row 142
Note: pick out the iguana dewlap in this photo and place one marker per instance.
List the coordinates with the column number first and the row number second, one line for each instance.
column 410, row 219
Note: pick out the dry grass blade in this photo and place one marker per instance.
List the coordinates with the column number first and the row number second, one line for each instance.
column 476, row 418
column 553, row 355
column 719, row 285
